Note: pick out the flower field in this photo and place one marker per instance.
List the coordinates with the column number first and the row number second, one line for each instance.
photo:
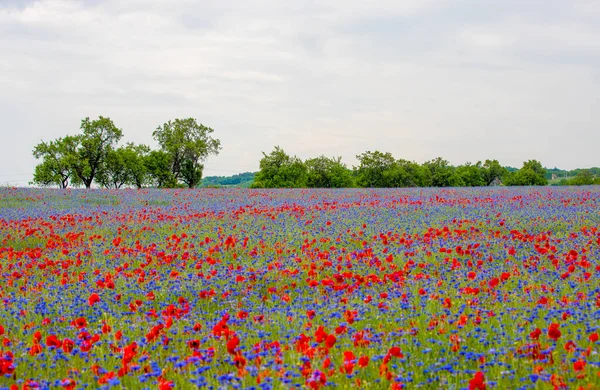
column 231, row 288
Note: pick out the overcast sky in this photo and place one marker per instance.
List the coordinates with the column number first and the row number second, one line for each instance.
column 463, row 79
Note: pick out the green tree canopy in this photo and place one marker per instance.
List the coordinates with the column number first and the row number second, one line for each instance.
column 491, row 170
column 324, row 172
column 471, row 175
column 375, row 169
column 187, row 143
column 124, row 166
column 159, row 167
column 584, row 177
column 113, row 174
column 134, row 159
column 57, row 162
column 279, row 170
column 98, row 138
column 531, row 174
column 441, row 173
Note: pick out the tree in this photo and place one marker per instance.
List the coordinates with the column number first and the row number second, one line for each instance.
column 98, row 138
column 123, row 166
column 531, row 174
column 374, row 170
column 584, row 177
column 187, row 144
column 279, row 170
column 441, row 173
column 134, row 159
column 57, row 162
column 491, row 170
column 112, row 173
column 158, row 165
column 471, row 175
column 324, row 172
column 408, row 174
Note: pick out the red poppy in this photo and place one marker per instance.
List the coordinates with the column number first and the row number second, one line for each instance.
column 80, row 323
column 570, row 346
column 330, row 341
column 320, row 334
column 68, row 345
column 535, row 334
column 477, row 382
column 194, row 344
column 340, row 329
column 6, row 363
column 554, row 332
column 349, row 362
column 35, row 349
column 363, row 361
column 53, row 341
column 232, row 345
column 68, row 384
column 396, row 352
column 579, row 365
column 94, row 298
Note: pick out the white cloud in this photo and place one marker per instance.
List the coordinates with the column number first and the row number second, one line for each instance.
column 464, row 80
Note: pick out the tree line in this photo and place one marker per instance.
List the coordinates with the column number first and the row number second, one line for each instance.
column 95, row 156
column 382, row 170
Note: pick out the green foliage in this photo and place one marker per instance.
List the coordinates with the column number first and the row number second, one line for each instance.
column 124, row 166
column 324, row 172
column 584, row 177
column 531, row 174
column 187, row 144
column 376, row 170
column 93, row 156
column 471, row 175
column 579, row 176
column 381, row 170
column 279, row 170
column 98, row 138
column 158, row 165
column 112, row 174
column 134, row 158
column 243, row 180
column 441, row 174
column 56, row 167
column 491, row 170
column 410, row 174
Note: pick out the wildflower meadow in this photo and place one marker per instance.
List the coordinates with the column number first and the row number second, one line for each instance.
column 487, row 288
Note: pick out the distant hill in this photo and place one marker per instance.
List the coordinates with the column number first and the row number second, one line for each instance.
column 561, row 173
column 242, row 180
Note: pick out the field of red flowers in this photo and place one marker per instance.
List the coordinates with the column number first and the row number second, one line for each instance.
column 383, row 289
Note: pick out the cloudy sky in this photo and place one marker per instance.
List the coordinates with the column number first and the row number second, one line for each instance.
column 462, row 79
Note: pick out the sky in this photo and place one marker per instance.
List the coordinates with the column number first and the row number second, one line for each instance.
column 466, row 80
